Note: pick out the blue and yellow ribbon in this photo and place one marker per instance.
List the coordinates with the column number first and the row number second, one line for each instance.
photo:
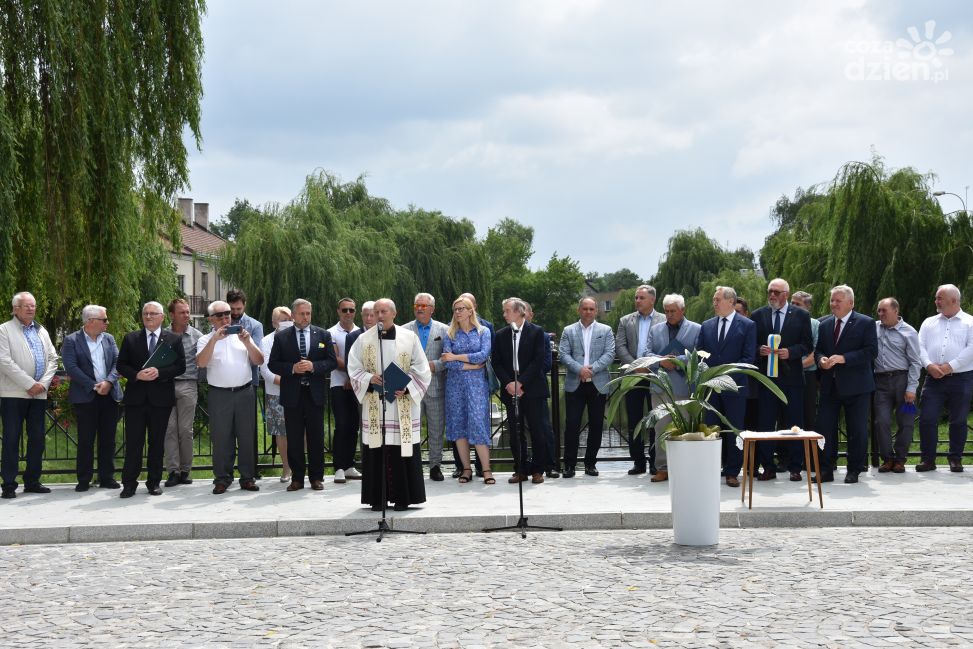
column 773, row 341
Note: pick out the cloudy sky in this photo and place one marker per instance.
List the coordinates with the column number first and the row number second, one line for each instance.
column 605, row 125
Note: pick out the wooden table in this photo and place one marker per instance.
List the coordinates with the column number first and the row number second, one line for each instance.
column 810, row 440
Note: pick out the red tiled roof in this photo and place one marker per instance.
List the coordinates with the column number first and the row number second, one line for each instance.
column 197, row 239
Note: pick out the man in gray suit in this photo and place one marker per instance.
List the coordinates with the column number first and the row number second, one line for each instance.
column 675, row 337
column 631, row 340
column 587, row 349
column 431, row 334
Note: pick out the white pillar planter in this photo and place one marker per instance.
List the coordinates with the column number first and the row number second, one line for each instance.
column 694, row 490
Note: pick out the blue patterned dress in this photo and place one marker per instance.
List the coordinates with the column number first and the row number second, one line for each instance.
column 467, row 391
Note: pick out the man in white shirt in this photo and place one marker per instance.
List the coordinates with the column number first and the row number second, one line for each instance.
column 344, row 404
column 228, row 354
column 946, row 351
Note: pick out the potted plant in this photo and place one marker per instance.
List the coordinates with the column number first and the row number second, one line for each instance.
column 692, row 446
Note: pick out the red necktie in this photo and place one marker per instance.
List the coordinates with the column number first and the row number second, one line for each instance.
column 837, row 331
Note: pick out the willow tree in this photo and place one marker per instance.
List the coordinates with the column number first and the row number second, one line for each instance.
column 95, row 100
column 692, row 258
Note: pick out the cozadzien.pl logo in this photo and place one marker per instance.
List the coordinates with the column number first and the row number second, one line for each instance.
column 921, row 57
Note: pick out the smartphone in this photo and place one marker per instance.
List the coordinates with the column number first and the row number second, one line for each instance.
column 234, row 329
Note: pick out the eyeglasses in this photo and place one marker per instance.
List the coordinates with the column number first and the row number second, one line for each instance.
column 348, row 310
column 457, row 309
column 774, row 291
column 99, row 319
column 422, row 306
column 151, row 315
column 221, row 314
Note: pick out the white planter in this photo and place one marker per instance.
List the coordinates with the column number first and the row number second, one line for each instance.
column 694, row 490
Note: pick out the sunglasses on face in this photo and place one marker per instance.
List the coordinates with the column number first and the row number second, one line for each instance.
column 221, row 314
column 348, row 309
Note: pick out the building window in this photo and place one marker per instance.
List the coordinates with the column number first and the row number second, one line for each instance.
column 182, row 283
column 204, row 280
column 608, row 306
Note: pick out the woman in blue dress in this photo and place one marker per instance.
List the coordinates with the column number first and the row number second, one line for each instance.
column 465, row 352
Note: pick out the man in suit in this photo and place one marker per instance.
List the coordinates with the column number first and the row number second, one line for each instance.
column 90, row 355
column 344, row 405
column 676, row 337
column 149, row 397
column 530, row 390
column 27, row 365
column 431, row 334
column 729, row 338
column 552, row 464
column 587, row 349
column 846, row 349
column 794, row 328
column 302, row 356
column 631, row 339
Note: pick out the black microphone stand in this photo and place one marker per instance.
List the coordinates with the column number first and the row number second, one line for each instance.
column 383, row 526
column 516, row 434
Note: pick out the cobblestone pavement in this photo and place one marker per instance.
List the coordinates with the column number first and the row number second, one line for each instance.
column 759, row 588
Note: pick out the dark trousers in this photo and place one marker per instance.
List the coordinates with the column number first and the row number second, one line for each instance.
column 952, row 392
column 887, row 400
column 141, row 422
column 774, row 414
column 810, row 401
column 15, row 413
column 305, row 418
column 97, row 422
column 856, row 420
column 553, row 460
column 344, row 439
column 585, row 397
column 531, row 414
column 635, row 404
column 734, row 408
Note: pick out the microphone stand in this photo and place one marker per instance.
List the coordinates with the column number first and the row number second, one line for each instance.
column 383, row 526
column 516, row 435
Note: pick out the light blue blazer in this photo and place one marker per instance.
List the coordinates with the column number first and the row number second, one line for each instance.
column 601, row 355
column 659, row 341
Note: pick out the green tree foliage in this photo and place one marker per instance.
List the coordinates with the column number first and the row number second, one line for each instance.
column 508, row 247
column 553, row 292
column 749, row 285
column 95, row 99
column 229, row 226
column 693, row 258
column 616, row 281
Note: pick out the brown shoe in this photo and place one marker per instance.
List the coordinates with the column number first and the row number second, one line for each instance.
column 295, row 485
column 517, row 477
column 956, row 466
column 249, row 485
column 796, row 476
column 732, row 481
column 766, row 475
column 898, row 467
column 537, row 478
column 887, row 466
column 317, row 485
column 926, row 465
column 660, row 476
column 219, row 488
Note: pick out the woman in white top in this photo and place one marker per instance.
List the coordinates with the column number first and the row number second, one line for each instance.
column 274, row 412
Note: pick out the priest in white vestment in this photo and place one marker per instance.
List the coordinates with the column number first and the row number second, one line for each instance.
column 400, row 426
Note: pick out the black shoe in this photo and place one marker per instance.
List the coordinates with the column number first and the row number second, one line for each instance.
column 172, row 480
column 109, row 484
column 636, row 470
column 956, row 466
column 127, row 492
column 184, row 478
column 82, row 486
column 400, row 507
column 568, row 472
column 436, row 474
column 826, row 476
column 154, row 490
column 376, row 508
column 36, row 489
column 592, row 471
column 926, row 465
column 9, row 492
column 458, row 472
column 479, row 473
column 552, row 473
column 851, row 478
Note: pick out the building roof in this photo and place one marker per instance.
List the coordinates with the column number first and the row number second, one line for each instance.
column 197, row 239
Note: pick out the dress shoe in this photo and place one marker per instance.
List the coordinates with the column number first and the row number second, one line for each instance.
column 219, row 488
column 172, row 480
column 826, row 476
column 636, row 470
column 8, row 493
column 660, row 476
column 127, row 492
column 185, row 478
column 568, row 472
column 479, row 473
column 82, row 486
column 592, row 471
column 400, row 507
column 796, row 476
column 956, row 466
column 767, row 475
column 517, row 477
column 249, row 485
column 926, row 465
column 153, row 490
column 37, row 488
column 376, row 508
column 537, row 478
column 109, row 484
column 732, row 481
column 851, row 478
column 295, row 485
column 886, row 466
column 436, row 474
column 552, row 473
column 339, row 476
column 457, row 472
column 351, row 473
column 899, row 467
column 317, row 485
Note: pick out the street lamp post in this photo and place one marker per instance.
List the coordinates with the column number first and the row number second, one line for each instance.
column 952, row 194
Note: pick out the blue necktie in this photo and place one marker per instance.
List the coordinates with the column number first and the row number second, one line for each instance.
column 777, row 321
column 151, row 343
column 723, row 330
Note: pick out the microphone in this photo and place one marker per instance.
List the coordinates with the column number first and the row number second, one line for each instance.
column 514, row 329
column 380, row 327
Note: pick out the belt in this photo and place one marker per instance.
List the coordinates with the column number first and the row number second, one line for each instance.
column 892, row 373
column 236, row 389
column 957, row 375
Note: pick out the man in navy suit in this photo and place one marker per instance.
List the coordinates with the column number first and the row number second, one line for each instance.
column 729, row 338
column 303, row 356
column 846, row 350
column 89, row 357
column 794, row 327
